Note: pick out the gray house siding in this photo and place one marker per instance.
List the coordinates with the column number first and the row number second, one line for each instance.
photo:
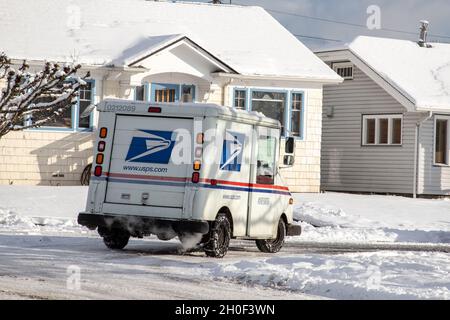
column 433, row 180
column 346, row 164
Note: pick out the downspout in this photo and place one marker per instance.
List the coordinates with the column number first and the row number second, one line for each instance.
column 416, row 152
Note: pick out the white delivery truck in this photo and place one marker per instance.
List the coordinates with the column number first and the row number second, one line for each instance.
column 186, row 170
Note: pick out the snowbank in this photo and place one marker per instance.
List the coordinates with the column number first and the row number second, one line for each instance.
column 372, row 218
column 37, row 209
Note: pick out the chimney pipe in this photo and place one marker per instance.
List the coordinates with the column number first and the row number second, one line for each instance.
column 423, row 33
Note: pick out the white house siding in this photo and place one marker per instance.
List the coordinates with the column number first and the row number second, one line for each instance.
column 348, row 166
column 305, row 175
column 44, row 158
column 433, row 179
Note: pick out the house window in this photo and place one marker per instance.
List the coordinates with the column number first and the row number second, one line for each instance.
column 265, row 170
column 297, row 115
column 271, row 104
column 85, row 100
column 139, row 93
column 382, row 130
column 344, row 69
column 441, row 141
column 162, row 92
column 165, row 95
column 240, row 99
column 187, row 93
column 65, row 119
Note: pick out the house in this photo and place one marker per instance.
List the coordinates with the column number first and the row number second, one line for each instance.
column 236, row 56
column 386, row 128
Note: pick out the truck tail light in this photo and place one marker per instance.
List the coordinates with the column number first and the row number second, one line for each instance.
column 99, row 158
column 98, row 171
column 197, row 165
column 101, row 146
column 154, row 109
column 195, row 177
column 103, row 132
column 200, row 138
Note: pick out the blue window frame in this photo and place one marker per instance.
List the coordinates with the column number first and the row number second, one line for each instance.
column 286, row 106
column 163, row 92
column 169, row 92
column 297, row 112
column 240, row 99
column 70, row 119
column 273, row 103
column 140, row 93
column 187, row 93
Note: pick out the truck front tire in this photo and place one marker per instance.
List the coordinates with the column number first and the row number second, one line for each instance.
column 273, row 245
column 219, row 237
column 115, row 238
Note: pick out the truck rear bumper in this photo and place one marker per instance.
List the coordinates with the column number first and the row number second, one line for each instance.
column 139, row 225
column 294, row 230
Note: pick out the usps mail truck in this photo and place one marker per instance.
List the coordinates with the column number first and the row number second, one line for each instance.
column 199, row 171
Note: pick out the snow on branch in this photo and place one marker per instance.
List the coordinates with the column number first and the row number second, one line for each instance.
column 44, row 95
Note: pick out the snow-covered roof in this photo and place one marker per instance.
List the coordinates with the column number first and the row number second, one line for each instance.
column 421, row 74
column 100, row 32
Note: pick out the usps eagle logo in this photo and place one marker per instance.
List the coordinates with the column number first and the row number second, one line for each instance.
column 151, row 146
column 233, row 146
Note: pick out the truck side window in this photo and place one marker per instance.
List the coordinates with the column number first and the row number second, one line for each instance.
column 265, row 170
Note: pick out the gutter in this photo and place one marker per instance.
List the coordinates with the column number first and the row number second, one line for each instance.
column 281, row 78
column 416, row 152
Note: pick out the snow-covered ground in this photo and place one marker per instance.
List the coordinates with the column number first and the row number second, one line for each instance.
column 39, row 239
column 372, row 218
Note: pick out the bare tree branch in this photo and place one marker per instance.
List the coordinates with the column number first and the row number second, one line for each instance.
column 44, row 95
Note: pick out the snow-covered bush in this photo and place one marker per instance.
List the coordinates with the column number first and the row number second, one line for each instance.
column 43, row 95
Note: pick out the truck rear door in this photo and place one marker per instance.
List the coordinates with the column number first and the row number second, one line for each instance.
column 143, row 169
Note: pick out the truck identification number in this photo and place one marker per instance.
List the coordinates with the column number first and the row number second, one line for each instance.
column 120, row 107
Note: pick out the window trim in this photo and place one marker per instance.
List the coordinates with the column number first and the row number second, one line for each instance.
column 178, row 90
column 441, row 117
column 74, row 115
column 302, row 114
column 146, row 93
column 286, row 105
column 390, row 117
column 246, row 104
column 347, row 64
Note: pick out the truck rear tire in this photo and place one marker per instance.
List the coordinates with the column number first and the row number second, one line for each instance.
column 273, row 245
column 115, row 238
column 219, row 237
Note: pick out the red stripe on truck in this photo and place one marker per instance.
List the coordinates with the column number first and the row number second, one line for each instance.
column 181, row 179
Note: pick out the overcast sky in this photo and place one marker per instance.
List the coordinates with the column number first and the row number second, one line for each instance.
column 401, row 15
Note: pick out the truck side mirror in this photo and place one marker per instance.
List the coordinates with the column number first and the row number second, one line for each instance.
column 290, row 145
column 289, row 160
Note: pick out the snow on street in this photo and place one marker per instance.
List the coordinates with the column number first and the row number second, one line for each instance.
column 39, row 240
